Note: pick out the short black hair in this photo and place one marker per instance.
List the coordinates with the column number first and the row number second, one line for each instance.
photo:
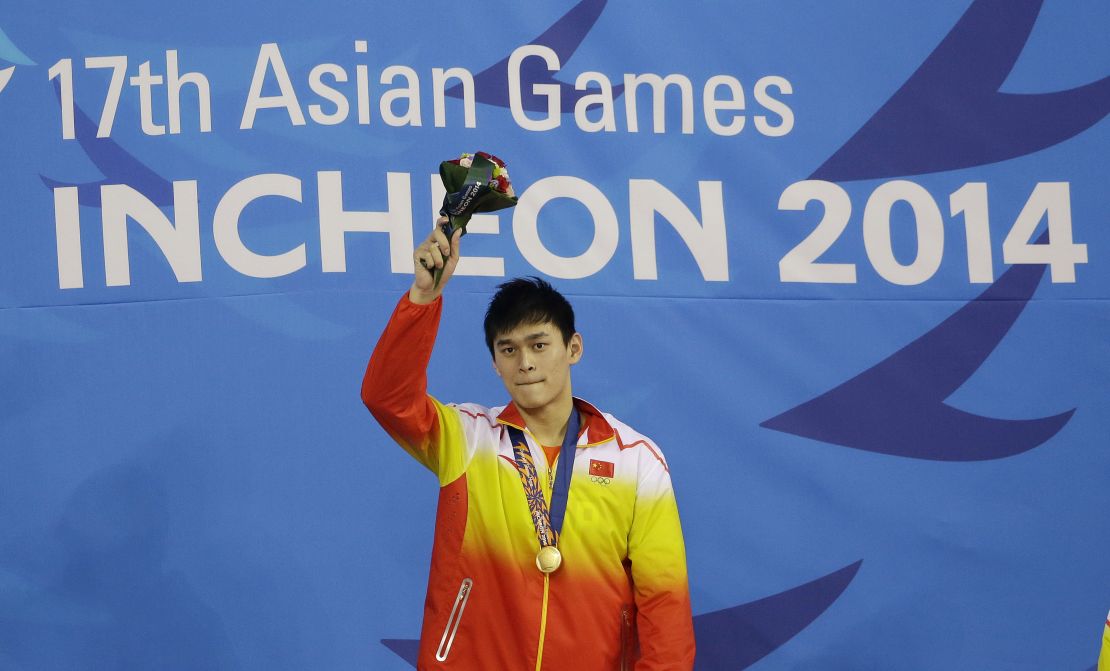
column 527, row 300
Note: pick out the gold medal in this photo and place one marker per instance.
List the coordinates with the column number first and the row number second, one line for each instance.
column 548, row 559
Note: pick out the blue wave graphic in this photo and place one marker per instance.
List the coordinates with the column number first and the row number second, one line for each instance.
column 737, row 637
column 114, row 162
column 949, row 114
column 897, row 406
column 491, row 86
column 406, row 648
column 11, row 53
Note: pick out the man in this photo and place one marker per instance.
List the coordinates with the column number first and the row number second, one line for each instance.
column 532, row 567
column 1104, row 656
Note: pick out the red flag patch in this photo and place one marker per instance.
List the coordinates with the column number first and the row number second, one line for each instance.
column 602, row 469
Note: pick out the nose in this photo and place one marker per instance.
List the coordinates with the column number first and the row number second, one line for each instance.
column 526, row 364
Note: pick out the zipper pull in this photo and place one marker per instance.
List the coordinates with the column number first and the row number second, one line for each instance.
column 551, row 474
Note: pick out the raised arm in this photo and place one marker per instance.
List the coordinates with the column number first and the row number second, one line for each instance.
column 395, row 385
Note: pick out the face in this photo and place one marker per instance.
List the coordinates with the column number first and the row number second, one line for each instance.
column 534, row 364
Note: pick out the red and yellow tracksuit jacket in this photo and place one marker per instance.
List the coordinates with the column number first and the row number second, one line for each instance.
column 620, row 599
column 1104, row 656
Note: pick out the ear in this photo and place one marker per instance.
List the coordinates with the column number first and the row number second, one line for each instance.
column 574, row 347
column 495, row 369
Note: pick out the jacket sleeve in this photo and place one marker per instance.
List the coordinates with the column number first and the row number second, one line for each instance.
column 658, row 562
column 394, row 390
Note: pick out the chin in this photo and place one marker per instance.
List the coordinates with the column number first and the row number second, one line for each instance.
column 527, row 403
column 530, row 399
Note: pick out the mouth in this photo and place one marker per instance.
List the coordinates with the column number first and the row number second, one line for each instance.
column 527, row 384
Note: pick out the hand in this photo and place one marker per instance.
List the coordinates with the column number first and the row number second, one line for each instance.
column 436, row 251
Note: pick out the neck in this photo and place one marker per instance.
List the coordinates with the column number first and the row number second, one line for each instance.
column 548, row 424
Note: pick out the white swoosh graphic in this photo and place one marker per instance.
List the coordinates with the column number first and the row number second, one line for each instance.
column 5, row 76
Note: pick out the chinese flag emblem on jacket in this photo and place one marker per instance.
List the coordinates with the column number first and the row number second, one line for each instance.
column 604, row 469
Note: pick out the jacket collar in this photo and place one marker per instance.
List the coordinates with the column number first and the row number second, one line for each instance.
column 594, row 425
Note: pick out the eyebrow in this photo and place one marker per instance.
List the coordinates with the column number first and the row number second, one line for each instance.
column 530, row 336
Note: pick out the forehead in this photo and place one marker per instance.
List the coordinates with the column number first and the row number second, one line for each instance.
column 528, row 331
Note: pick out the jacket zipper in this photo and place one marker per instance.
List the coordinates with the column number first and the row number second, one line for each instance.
column 453, row 620
column 626, row 638
column 543, row 621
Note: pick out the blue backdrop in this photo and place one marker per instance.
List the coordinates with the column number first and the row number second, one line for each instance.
column 846, row 262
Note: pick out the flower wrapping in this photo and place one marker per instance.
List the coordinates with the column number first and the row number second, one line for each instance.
column 474, row 183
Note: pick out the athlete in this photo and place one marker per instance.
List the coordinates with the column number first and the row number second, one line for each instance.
column 557, row 539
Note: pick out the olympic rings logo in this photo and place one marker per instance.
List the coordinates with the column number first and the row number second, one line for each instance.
column 600, row 480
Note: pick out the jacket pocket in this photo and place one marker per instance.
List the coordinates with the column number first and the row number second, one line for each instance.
column 627, row 638
column 452, row 627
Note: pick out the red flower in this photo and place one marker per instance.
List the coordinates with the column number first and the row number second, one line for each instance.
column 492, row 158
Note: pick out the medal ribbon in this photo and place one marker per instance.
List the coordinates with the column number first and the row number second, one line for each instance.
column 548, row 522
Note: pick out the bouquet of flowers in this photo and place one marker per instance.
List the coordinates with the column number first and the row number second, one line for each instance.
column 477, row 182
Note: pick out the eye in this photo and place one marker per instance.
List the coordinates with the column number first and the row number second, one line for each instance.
column 507, row 351
column 540, row 346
